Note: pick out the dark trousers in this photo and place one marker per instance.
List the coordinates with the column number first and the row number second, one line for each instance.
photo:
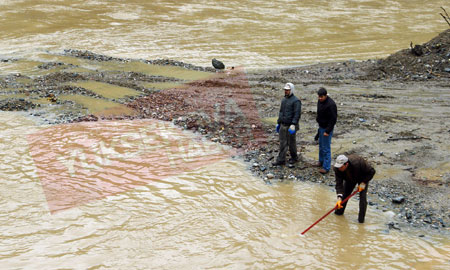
column 287, row 141
column 348, row 188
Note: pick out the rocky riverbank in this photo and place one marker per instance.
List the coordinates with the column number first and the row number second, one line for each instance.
column 392, row 111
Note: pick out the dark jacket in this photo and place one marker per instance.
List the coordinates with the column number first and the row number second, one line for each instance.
column 358, row 171
column 326, row 114
column 290, row 111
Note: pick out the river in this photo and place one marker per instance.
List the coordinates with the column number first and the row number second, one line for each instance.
column 111, row 195
column 253, row 34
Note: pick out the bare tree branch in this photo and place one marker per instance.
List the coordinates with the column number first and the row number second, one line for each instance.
column 446, row 17
column 445, row 12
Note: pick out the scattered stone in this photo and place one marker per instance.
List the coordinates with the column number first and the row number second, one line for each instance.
column 398, row 200
column 428, row 220
column 16, row 105
column 404, row 65
column 408, row 215
column 393, row 225
column 417, row 50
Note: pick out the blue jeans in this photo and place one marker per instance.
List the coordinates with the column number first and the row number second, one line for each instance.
column 325, row 149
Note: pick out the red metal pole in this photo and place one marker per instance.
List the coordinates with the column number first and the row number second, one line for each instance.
column 329, row 212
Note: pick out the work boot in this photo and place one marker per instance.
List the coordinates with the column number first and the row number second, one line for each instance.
column 278, row 163
column 318, row 164
column 293, row 160
column 361, row 217
column 323, row 171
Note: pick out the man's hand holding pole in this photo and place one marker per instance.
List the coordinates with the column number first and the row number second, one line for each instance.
column 339, row 202
column 361, row 186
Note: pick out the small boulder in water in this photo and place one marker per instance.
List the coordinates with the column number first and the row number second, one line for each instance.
column 217, row 64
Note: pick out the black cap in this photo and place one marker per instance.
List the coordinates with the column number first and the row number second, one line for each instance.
column 322, row 91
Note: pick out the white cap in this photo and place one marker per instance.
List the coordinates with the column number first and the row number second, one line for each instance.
column 340, row 160
column 289, row 86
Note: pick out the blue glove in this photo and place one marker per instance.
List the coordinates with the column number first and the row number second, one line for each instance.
column 292, row 129
column 278, row 128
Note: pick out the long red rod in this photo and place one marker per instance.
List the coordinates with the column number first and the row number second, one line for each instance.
column 329, row 212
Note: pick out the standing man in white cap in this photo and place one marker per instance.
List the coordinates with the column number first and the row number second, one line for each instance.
column 349, row 171
column 287, row 125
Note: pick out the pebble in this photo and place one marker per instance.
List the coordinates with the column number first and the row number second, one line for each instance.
column 408, row 215
column 398, row 200
column 393, row 225
column 428, row 220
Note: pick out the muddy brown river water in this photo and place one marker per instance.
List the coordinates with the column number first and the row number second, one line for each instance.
column 91, row 196
column 253, row 34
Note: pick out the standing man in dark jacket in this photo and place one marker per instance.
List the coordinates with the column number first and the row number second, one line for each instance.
column 350, row 171
column 287, row 125
column 326, row 117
